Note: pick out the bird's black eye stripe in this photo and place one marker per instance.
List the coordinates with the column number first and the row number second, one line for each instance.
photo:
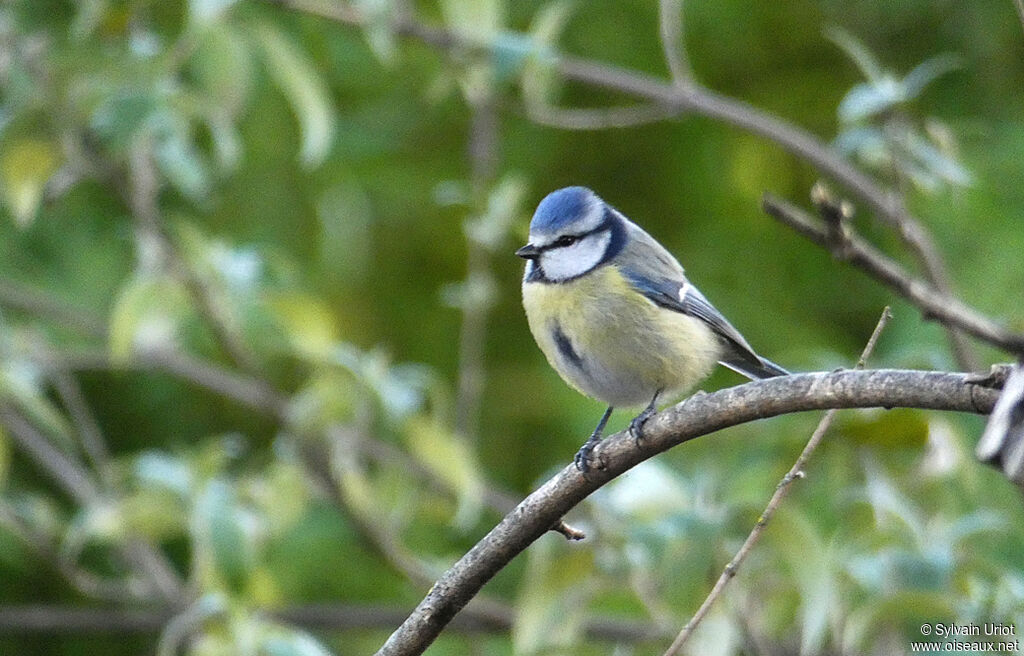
column 569, row 240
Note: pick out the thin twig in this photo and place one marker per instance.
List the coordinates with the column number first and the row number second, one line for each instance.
column 93, row 444
column 933, row 304
column 598, row 119
column 1020, row 10
column 670, row 22
column 248, row 390
column 781, row 491
column 483, row 156
column 921, row 245
column 696, row 416
column 154, row 242
column 69, row 475
column 27, row 299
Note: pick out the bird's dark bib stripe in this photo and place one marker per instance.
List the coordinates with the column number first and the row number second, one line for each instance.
column 565, row 347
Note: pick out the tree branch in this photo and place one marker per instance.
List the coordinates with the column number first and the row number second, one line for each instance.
column 597, row 119
column 142, row 191
column 848, row 247
column 698, row 415
column 670, row 23
column 40, row 304
column 69, row 474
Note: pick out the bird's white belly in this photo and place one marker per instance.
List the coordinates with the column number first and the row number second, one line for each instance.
column 611, row 343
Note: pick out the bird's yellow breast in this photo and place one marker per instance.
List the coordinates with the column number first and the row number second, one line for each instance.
column 611, row 343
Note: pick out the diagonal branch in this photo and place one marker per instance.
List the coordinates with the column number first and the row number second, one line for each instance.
column 670, row 22
column 846, row 246
column 699, row 415
column 74, row 479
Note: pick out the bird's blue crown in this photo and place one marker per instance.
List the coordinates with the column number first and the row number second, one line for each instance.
column 561, row 209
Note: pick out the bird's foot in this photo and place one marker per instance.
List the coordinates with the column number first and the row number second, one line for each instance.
column 583, row 459
column 636, row 427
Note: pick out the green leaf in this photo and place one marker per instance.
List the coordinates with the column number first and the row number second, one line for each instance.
column 225, row 533
column 887, row 429
column 22, row 383
column 206, row 11
column 811, row 564
column 145, row 316
column 540, row 82
column 102, row 521
column 553, row 598
column 306, row 92
column 504, row 208
column 283, row 494
column 889, row 503
column 401, row 389
column 326, row 398
column 26, row 165
column 478, row 20
column 307, row 321
column 451, row 459
column 163, row 470
column 866, row 100
column 717, row 635
column 928, row 71
column 120, row 115
column 90, row 15
column 344, row 212
column 178, row 158
column 378, row 16
column 510, row 52
column 650, row 492
column 222, row 67
column 286, row 642
column 857, row 52
column 227, row 142
column 939, row 164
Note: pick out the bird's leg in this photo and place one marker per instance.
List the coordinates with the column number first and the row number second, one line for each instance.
column 636, row 427
column 582, row 457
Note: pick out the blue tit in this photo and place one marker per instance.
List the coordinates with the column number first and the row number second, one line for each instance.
column 614, row 314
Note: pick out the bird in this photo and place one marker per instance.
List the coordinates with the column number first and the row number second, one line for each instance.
column 615, row 315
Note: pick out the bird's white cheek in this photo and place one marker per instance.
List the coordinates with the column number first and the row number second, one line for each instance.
column 575, row 260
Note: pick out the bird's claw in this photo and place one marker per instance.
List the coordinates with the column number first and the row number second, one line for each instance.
column 582, row 458
column 585, row 462
column 636, row 427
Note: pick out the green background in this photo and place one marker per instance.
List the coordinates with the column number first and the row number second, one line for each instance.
column 316, row 182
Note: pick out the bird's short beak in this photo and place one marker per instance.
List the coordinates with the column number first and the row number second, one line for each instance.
column 528, row 252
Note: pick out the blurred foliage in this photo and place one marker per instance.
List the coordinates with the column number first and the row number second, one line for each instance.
column 234, row 282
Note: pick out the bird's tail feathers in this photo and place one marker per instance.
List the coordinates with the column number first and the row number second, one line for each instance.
column 754, row 367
